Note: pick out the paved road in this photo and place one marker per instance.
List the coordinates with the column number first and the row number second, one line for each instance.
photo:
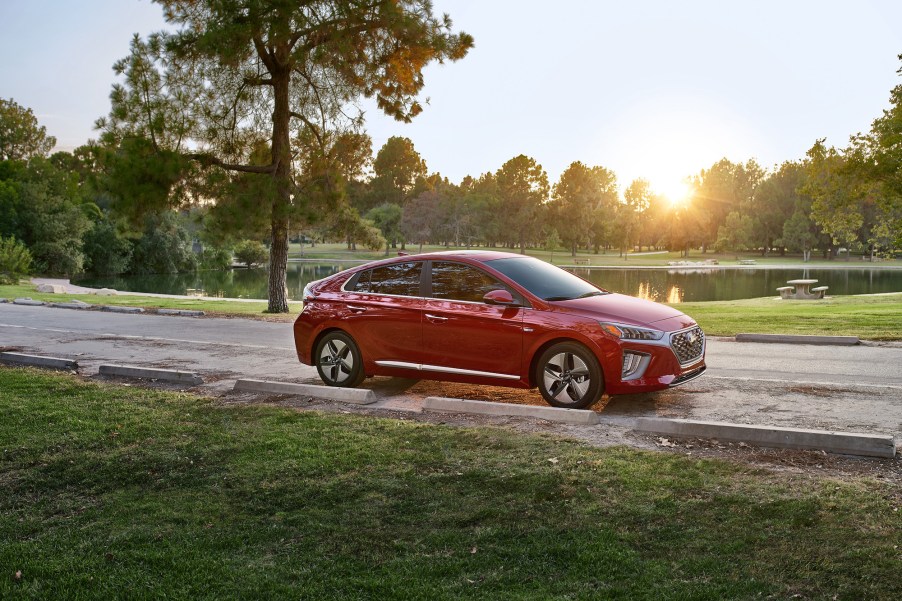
column 843, row 388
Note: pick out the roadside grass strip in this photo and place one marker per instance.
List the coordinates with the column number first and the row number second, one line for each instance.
column 122, row 492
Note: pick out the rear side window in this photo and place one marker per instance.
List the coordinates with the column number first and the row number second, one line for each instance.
column 401, row 279
column 456, row 281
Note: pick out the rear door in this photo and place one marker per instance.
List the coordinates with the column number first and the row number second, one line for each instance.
column 384, row 311
column 463, row 333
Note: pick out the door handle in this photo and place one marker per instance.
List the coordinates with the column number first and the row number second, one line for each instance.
column 436, row 318
column 354, row 309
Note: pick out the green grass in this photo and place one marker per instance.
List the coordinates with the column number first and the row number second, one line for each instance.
column 214, row 307
column 115, row 492
column 870, row 317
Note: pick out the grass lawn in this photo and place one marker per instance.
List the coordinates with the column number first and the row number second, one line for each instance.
column 215, row 307
column 121, row 492
column 870, row 317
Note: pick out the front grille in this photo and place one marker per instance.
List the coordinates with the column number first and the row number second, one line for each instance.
column 688, row 345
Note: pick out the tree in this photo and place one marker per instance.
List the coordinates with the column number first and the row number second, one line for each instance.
column 387, row 217
column 773, row 202
column 20, row 135
column 798, row 234
column 421, row 216
column 523, row 189
column 397, row 167
column 233, row 75
column 834, row 192
column 164, row 246
column 636, row 200
column 722, row 189
column 15, row 260
column 250, row 252
column 578, row 194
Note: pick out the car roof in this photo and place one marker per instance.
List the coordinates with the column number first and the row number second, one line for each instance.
column 475, row 255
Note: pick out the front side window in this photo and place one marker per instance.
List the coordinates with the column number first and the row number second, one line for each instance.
column 456, row 281
column 400, row 279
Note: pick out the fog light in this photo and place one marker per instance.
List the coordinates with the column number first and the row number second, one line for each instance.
column 634, row 365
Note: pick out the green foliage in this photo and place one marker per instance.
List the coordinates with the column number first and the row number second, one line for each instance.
column 251, row 252
column 216, row 257
column 387, row 217
column 736, row 233
column 164, row 247
column 583, row 197
column 143, row 179
column 54, row 220
column 397, row 167
column 523, row 189
column 15, row 260
column 107, row 251
column 21, row 138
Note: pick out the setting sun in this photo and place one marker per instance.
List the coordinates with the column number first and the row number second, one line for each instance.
column 675, row 192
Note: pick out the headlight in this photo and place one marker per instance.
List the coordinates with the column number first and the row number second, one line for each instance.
column 625, row 332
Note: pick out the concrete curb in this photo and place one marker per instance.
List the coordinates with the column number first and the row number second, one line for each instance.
column 847, row 443
column 38, row 361
column 554, row 414
column 184, row 377
column 116, row 309
column 182, row 312
column 28, row 302
column 73, row 305
column 798, row 339
column 360, row 396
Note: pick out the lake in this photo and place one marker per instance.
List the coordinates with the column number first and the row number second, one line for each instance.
column 660, row 284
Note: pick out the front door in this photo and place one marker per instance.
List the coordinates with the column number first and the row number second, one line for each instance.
column 463, row 334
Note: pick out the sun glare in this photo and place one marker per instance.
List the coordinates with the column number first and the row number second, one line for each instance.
column 676, row 192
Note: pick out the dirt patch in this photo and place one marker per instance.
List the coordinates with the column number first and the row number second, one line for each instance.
column 821, row 391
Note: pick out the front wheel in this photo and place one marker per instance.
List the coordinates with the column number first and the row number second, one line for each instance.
column 569, row 376
column 338, row 360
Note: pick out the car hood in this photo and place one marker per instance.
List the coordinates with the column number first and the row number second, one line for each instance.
column 620, row 308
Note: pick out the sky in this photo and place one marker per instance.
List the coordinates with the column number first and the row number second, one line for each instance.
column 651, row 89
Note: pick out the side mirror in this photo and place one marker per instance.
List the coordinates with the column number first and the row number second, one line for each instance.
column 499, row 297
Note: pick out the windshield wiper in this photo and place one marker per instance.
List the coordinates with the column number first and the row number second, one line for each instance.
column 584, row 295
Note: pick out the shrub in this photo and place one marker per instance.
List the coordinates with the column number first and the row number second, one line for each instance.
column 251, row 252
column 15, row 260
column 216, row 257
column 106, row 250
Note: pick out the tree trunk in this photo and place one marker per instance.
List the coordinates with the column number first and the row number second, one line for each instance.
column 278, row 264
column 573, row 250
column 281, row 202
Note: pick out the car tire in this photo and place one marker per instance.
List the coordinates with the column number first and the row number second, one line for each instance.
column 338, row 360
column 569, row 376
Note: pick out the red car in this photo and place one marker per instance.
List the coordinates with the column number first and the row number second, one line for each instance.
column 486, row 317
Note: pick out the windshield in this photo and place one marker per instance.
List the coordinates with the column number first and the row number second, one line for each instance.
column 543, row 279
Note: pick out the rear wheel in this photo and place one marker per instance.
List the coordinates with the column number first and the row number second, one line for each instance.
column 338, row 360
column 569, row 376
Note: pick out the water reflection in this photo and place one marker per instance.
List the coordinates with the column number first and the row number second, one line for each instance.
column 662, row 285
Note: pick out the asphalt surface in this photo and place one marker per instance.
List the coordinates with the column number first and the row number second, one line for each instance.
column 854, row 389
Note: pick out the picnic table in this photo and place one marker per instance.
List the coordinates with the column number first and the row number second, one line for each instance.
column 802, row 290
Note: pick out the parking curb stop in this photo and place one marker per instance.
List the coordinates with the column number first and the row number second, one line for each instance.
column 359, row 396
column 151, row 373
column 556, row 414
column 846, row 443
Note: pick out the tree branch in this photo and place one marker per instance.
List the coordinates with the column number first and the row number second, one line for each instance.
column 310, row 125
column 258, row 81
column 264, row 55
column 206, row 160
